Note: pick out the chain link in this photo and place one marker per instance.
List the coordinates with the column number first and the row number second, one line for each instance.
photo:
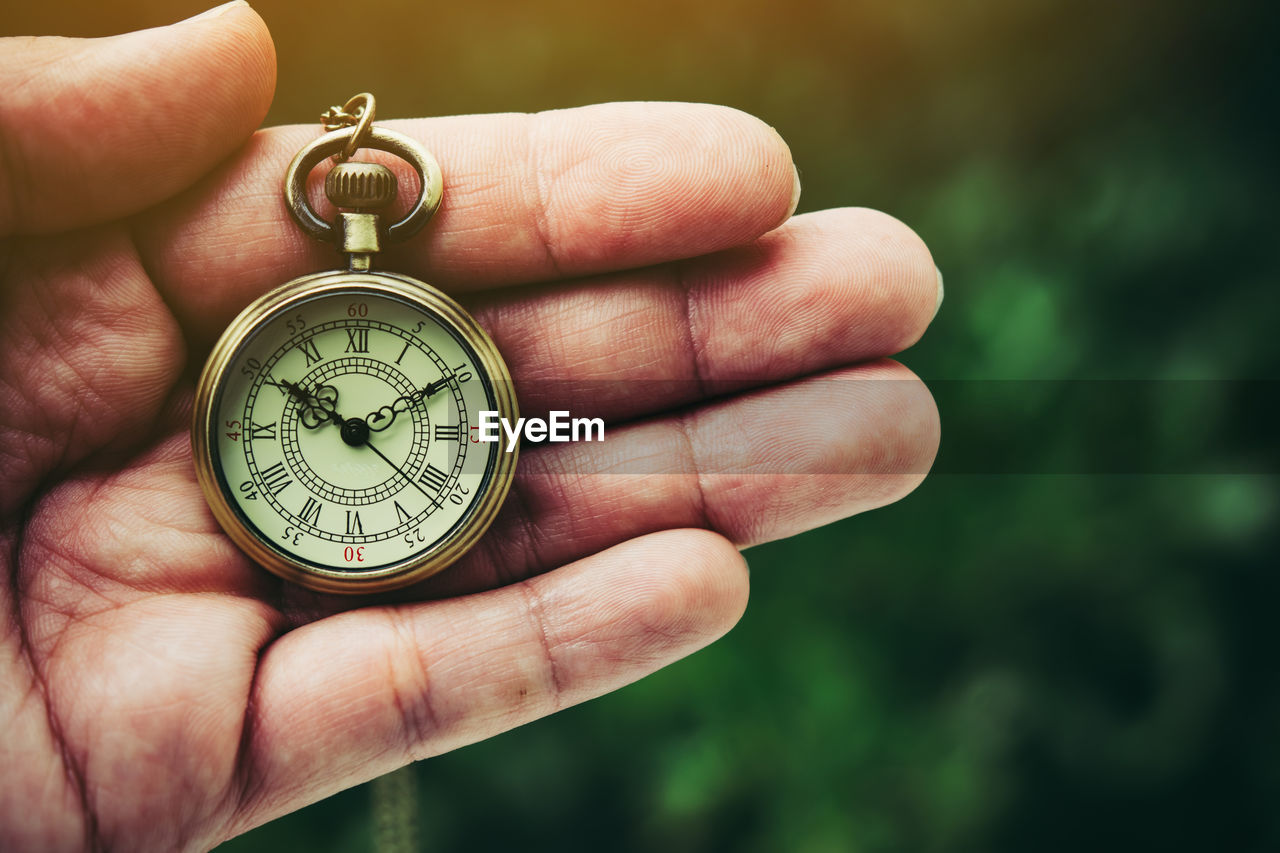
column 358, row 112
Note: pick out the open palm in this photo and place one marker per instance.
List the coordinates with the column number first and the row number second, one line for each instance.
column 158, row 691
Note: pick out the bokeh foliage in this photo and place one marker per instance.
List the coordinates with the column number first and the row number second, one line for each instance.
column 1064, row 639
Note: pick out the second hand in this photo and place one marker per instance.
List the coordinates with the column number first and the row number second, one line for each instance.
column 396, row 468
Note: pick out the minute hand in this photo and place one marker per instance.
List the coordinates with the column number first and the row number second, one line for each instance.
column 385, row 416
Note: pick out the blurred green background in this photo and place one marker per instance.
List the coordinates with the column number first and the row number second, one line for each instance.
column 1064, row 640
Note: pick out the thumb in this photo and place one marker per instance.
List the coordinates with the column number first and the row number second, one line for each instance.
column 93, row 129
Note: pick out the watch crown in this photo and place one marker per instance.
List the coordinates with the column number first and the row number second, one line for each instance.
column 363, row 186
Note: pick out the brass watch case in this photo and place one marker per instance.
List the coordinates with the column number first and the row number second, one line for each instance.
column 205, row 426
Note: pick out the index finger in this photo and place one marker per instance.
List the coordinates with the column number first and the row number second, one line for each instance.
column 527, row 198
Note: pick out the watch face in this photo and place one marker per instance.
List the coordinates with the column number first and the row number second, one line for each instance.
column 339, row 430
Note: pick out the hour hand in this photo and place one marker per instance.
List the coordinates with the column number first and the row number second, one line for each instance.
column 316, row 408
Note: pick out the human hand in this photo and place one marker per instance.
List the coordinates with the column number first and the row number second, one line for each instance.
column 158, row 691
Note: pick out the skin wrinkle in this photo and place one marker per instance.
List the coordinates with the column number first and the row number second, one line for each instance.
column 702, row 510
column 535, row 613
column 88, row 492
column 414, row 699
column 244, row 785
column 537, row 195
column 15, row 629
column 49, row 636
column 74, row 774
column 184, row 345
column 696, row 370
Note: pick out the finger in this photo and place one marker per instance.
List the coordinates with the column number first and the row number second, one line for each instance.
column 824, row 290
column 355, row 695
column 99, row 128
column 527, row 198
column 758, row 467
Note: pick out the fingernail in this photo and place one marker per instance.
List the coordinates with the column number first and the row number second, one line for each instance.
column 937, row 305
column 214, row 12
column 795, row 193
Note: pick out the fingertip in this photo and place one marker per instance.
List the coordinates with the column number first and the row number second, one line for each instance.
column 695, row 585
column 725, row 579
column 102, row 128
column 638, row 606
column 667, row 180
column 769, row 176
column 221, row 67
column 910, row 447
column 795, row 194
column 901, row 269
column 937, row 305
column 214, row 11
column 239, row 38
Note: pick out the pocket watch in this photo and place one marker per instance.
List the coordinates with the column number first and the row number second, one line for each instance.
column 334, row 432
